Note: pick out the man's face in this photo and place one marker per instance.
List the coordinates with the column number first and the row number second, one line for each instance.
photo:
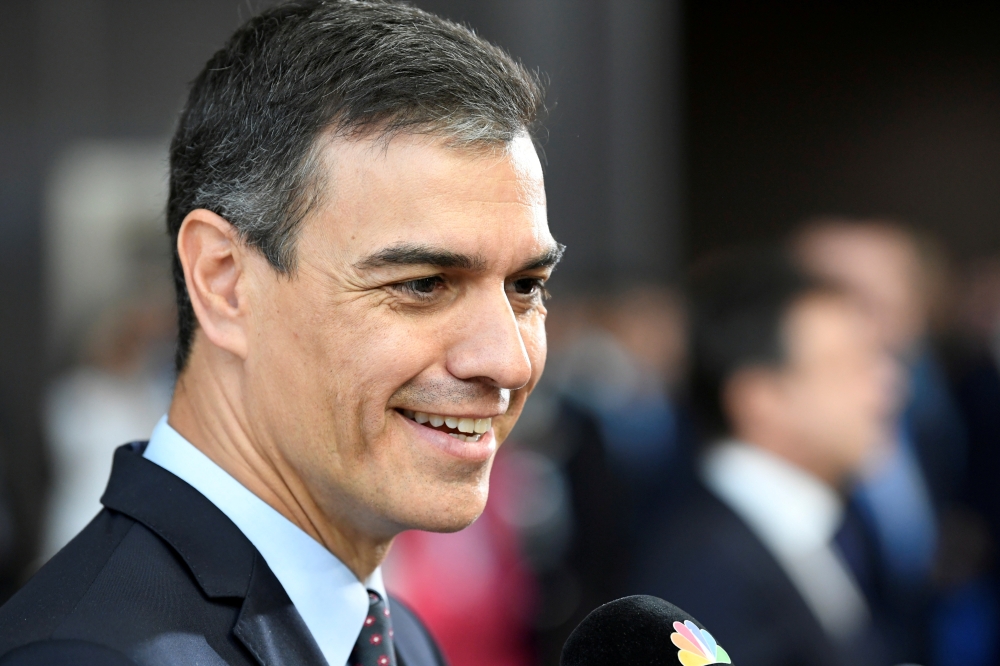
column 837, row 386
column 882, row 268
column 417, row 296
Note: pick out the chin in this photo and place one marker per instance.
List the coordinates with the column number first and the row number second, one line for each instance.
column 450, row 512
column 445, row 522
column 449, row 526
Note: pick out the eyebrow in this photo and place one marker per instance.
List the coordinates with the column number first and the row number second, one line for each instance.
column 547, row 259
column 409, row 254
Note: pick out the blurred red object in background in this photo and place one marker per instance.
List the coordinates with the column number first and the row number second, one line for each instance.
column 472, row 588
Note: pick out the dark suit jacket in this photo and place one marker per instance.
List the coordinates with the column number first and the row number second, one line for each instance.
column 161, row 576
column 703, row 558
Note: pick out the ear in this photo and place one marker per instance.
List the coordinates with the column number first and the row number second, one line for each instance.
column 213, row 260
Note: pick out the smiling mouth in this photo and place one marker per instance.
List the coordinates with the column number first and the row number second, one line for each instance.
column 463, row 428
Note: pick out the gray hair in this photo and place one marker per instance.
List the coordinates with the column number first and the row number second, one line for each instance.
column 247, row 144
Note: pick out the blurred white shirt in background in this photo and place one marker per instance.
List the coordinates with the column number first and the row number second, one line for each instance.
column 795, row 515
column 89, row 413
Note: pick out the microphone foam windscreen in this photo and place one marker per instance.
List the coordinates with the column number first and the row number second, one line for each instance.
column 640, row 631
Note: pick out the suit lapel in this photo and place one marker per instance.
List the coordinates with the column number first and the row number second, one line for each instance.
column 271, row 628
column 222, row 560
column 227, row 566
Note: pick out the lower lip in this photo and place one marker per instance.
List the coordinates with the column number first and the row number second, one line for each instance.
column 478, row 451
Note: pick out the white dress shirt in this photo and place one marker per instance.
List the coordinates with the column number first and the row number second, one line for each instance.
column 333, row 603
column 795, row 515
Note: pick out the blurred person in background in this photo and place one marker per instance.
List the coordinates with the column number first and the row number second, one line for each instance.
column 884, row 265
column 621, row 368
column 972, row 565
column 115, row 392
column 613, row 433
column 977, row 382
column 904, row 493
column 794, row 394
column 118, row 391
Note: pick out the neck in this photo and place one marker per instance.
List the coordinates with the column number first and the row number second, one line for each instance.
column 206, row 411
column 793, row 452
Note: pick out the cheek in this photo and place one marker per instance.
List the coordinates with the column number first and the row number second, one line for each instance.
column 333, row 366
column 375, row 359
column 819, row 409
column 849, row 412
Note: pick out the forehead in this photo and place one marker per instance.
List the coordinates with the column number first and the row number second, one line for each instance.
column 824, row 325
column 878, row 262
column 487, row 201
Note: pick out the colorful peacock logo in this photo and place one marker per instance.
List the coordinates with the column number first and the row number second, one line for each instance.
column 697, row 647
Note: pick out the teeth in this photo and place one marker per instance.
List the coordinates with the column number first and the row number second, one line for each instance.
column 473, row 427
column 465, row 438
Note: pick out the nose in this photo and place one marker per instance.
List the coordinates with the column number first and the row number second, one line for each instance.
column 486, row 342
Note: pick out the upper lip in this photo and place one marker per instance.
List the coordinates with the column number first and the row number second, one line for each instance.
column 491, row 415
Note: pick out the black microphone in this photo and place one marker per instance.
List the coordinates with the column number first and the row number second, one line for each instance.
column 641, row 631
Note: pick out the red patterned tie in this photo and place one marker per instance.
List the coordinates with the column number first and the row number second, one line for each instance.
column 374, row 646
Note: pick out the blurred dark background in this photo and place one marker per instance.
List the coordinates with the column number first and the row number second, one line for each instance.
column 674, row 129
column 794, row 109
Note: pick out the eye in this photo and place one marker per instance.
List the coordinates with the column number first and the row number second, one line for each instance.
column 530, row 287
column 421, row 286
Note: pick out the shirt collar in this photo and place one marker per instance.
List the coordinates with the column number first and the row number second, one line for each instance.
column 789, row 509
column 333, row 603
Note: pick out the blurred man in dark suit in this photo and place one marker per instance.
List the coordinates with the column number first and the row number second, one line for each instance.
column 795, row 393
column 906, row 498
column 361, row 245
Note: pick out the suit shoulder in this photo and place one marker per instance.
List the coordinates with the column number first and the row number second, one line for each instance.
column 700, row 526
column 117, row 584
column 413, row 641
column 38, row 608
column 703, row 550
column 64, row 653
column 707, row 560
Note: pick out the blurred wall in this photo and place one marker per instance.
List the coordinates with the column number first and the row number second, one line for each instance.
column 613, row 131
column 73, row 70
column 843, row 107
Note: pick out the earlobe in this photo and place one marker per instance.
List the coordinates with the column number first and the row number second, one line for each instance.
column 212, row 256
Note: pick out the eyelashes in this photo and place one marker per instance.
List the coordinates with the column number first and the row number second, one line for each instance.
column 424, row 289
column 421, row 288
column 531, row 287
